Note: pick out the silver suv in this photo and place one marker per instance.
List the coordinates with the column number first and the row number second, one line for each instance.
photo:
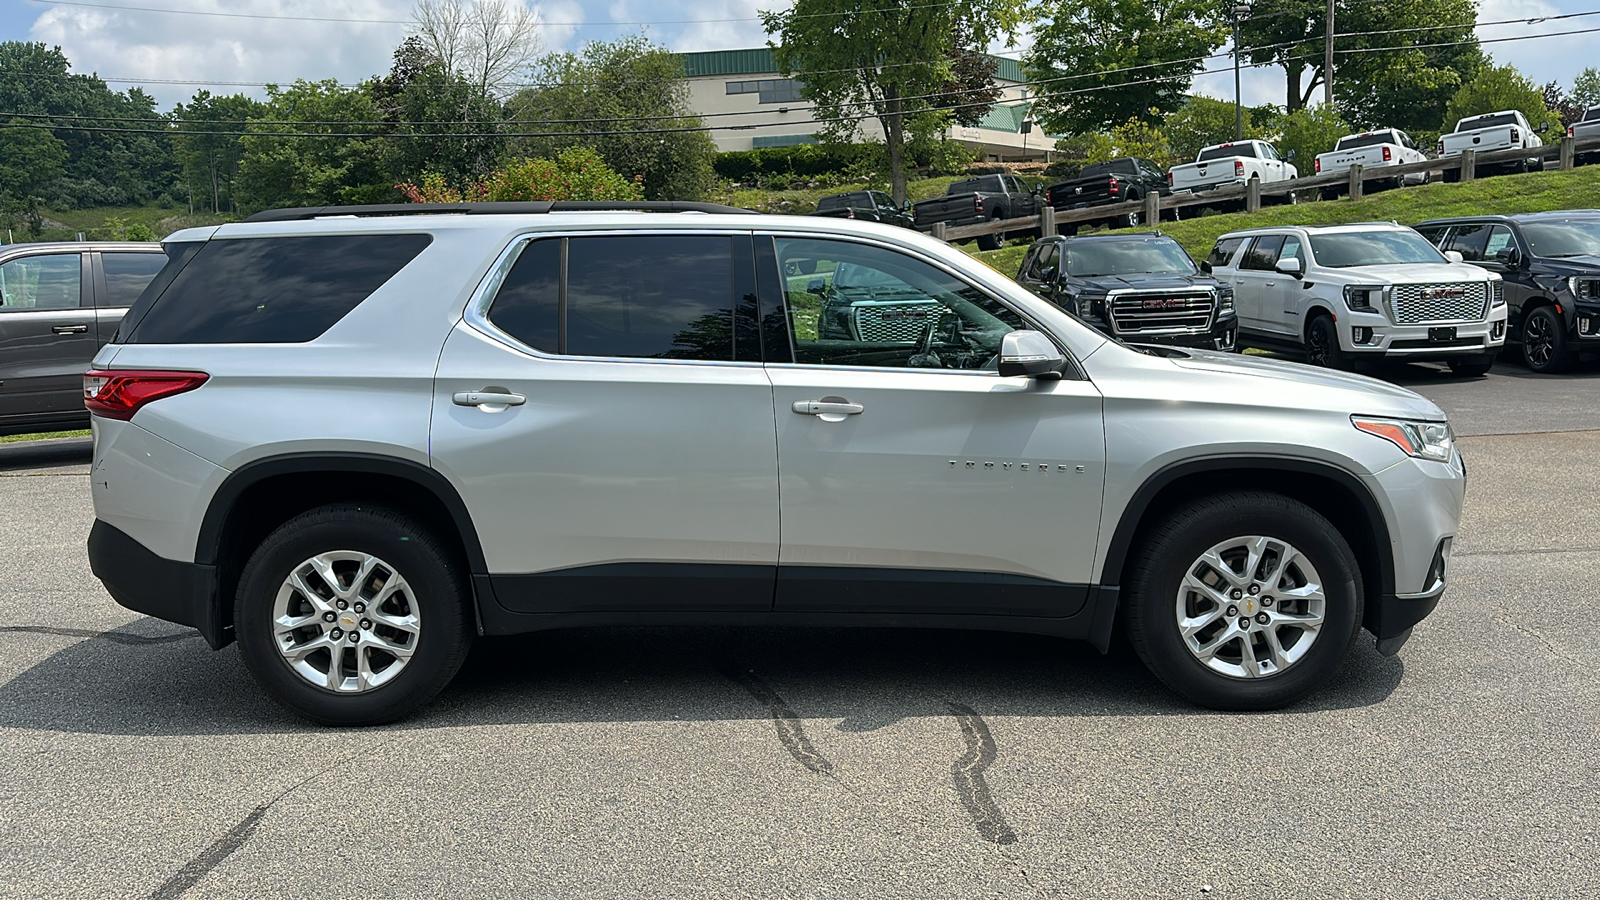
column 353, row 439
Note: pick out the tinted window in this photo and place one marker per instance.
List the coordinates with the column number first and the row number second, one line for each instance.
column 273, row 290
column 867, row 306
column 1224, row 250
column 1469, row 241
column 1263, row 253
column 1576, row 237
column 1366, row 140
column 41, row 282
column 127, row 274
column 528, row 304
column 1227, row 151
column 650, row 296
column 1497, row 120
column 1592, row 115
column 1433, row 234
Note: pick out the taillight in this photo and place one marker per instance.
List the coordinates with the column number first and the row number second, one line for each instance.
column 1515, row 134
column 1441, row 146
column 121, row 393
column 1317, row 166
column 1169, row 179
column 977, row 203
column 1571, row 132
column 1112, row 186
column 1238, row 168
column 1388, row 154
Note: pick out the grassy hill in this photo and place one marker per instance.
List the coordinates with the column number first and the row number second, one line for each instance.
column 1533, row 192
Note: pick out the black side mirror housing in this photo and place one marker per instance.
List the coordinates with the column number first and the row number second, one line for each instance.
column 1205, row 266
column 816, row 286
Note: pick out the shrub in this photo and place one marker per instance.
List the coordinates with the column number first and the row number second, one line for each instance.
column 577, row 173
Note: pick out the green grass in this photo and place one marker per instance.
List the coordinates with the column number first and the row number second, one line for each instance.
column 15, row 438
column 106, row 223
column 805, row 200
column 1504, row 194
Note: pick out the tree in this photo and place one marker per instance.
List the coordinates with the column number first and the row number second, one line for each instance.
column 30, row 158
column 1586, row 88
column 331, row 167
column 1203, row 121
column 209, row 160
column 1566, row 108
column 629, row 101
column 1148, row 50
column 1500, row 88
column 886, row 60
column 577, row 173
column 486, row 43
column 420, row 96
column 1308, row 132
column 1379, row 79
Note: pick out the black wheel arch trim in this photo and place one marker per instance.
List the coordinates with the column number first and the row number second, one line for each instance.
column 1133, row 514
column 209, row 543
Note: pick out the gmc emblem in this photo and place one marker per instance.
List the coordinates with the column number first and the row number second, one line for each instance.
column 1443, row 293
column 1165, row 303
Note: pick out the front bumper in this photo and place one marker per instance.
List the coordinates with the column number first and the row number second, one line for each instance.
column 1386, row 339
column 178, row 592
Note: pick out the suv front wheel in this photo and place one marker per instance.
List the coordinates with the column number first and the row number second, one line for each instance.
column 1244, row 601
column 352, row 615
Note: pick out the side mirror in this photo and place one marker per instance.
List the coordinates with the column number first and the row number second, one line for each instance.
column 816, row 286
column 1292, row 266
column 1541, row 128
column 1205, row 266
column 1290, row 155
column 1454, row 256
column 1029, row 354
column 1507, row 256
column 1049, row 274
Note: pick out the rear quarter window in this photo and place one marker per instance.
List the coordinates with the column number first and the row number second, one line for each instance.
column 277, row 290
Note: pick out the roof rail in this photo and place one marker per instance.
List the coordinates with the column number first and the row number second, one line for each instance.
column 528, row 207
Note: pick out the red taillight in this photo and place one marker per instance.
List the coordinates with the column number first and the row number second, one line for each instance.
column 1515, row 134
column 1388, row 154
column 1112, row 186
column 1571, row 132
column 977, row 204
column 1317, row 166
column 1169, row 179
column 121, row 393
column 1238, row 168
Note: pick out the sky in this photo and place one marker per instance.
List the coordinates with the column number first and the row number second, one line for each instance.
column 153, row 47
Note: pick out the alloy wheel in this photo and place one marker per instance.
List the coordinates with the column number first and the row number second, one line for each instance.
column 345, row 621
column 1537, row 341
column 1250, row 607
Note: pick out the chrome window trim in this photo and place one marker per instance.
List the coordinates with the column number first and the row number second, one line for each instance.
column 476, row 314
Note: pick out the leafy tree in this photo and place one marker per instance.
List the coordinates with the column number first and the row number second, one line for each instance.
column 1203, row 121
column 1148, row 50
column 1386, row 80
column 208, row 157
column 885, row 60
column 630, row 102
column 577, row 173
column 1500, row 88
column 281, row 170
column 1586, row 88
column 1567, row 109
column 1308, row 132
column 30, row 158
column 420, row 96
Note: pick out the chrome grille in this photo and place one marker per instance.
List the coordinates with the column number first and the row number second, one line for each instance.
column 1457, row 301
column 897, row 321
column 1165, row 312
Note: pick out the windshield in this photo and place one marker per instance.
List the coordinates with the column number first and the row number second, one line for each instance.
column 1097, row 258
column 1227, row 151
column 1576, row 238
column 1367, row 140
column 1373, row 248
column 1489, row 122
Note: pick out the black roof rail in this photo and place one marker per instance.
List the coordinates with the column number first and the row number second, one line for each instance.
column 521, row 207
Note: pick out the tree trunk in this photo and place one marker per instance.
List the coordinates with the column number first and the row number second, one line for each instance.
column 894, row 138
column 1296, row 98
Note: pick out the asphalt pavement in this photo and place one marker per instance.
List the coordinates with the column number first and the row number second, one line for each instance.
column 134, row 762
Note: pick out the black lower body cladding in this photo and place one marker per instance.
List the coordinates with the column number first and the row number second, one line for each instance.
column 178, row 592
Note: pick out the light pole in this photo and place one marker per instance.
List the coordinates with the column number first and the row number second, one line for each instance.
column 1238, row 110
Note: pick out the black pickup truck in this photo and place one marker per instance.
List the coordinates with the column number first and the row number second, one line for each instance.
column 869, row 206
column 1129, row 179
column 1141, row 288
column 971, row 201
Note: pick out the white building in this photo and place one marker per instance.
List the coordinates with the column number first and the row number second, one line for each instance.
column 752, row 106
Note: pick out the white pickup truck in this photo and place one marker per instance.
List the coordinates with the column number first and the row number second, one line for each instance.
column 1232, row 163
column 1371, row 150
column 1489, row 132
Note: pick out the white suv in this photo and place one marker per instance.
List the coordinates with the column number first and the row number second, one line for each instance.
column 1344, row 293
column 353, row 439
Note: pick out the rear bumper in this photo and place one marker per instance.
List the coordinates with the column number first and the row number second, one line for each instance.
column 178, row 592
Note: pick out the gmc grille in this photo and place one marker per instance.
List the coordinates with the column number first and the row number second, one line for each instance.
column 1163, row 312
column 1462, row 301
column 903, row 322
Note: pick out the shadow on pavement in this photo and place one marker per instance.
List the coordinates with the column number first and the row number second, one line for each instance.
column 868, row 678
column 45, row 454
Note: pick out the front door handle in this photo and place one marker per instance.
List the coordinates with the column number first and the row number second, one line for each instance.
column 827, row 407
column 489, row 399
column 70, row 329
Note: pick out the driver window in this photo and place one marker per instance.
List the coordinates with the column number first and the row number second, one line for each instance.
column 858, row 305
column 1291, row 249
column 1500, row 242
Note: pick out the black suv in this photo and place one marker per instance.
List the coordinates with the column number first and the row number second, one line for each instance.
column 1143, row 288
column 1551, row 266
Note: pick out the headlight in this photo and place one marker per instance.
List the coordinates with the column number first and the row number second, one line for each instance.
column 1225, row 300
column 1497, row 293
column 1366, row 297
column 1424, row 440
column 1584, row 287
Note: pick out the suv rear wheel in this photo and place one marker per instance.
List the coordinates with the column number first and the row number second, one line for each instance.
column 352, row 615
column 1244, row 601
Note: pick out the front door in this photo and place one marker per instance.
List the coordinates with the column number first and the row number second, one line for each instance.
column 913, row 477
column 47, row 338
column 614, row 452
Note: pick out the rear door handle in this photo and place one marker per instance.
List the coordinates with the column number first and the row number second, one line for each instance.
column 489, row 400
column 70, row 329
column 827, row 408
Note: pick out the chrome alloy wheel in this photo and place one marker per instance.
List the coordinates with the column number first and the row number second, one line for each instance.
column 345, row 621
column 1250, row 607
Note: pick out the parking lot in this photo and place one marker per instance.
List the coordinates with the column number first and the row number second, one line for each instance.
column 833, row 763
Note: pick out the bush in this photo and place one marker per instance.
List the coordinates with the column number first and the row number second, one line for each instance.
column 814, row 161
column 577, row 173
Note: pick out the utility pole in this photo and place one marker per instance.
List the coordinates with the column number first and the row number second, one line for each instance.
column 1238, row 109
column 1327, row 61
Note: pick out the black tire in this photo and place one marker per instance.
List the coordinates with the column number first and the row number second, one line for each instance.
column 1470, row 368
column 1322, row 344
column 1329, row 193
column 1544, row 342
column 1172, row 551
column 1450, row 176
column 436, row 594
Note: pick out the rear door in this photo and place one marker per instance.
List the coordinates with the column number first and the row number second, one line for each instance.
column 610, row 428
column 1255, row 286
column 47, row 338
